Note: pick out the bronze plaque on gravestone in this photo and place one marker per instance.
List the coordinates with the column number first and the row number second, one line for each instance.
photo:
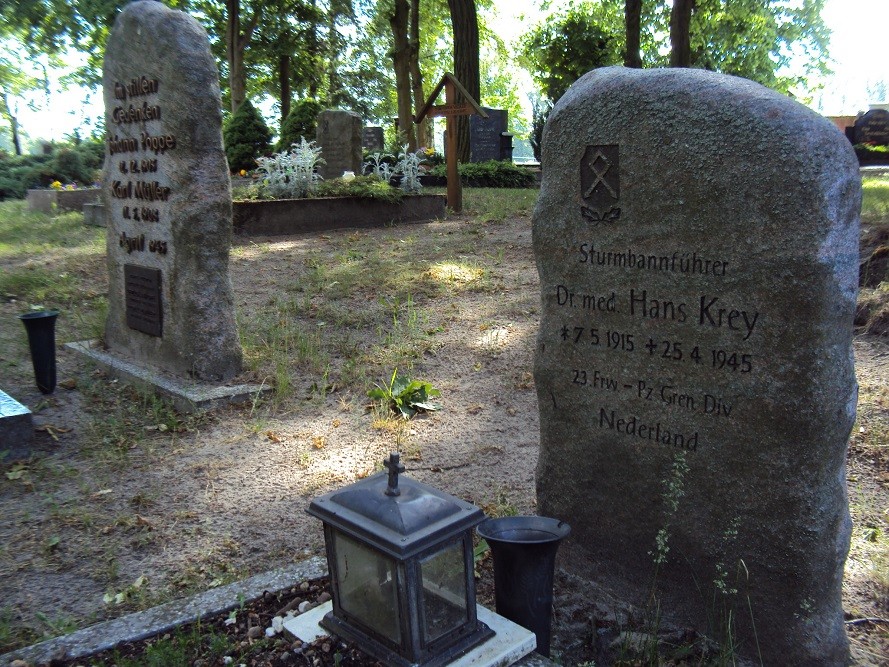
column 143, row 299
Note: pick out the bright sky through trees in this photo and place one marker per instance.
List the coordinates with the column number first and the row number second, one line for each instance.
column 858, row 48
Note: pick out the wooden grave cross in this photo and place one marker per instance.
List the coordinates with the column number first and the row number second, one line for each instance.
column 450, row 110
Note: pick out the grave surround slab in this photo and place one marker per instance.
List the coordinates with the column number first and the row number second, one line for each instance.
column 696, row 237
column 16, row 428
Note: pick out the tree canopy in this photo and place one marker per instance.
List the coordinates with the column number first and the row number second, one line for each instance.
column 378, row 57
column 754, row 39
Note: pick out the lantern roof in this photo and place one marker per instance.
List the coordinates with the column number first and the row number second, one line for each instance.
column 400, row 520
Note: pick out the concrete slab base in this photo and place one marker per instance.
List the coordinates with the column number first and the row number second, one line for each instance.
column 16, row 429
column 509, row 644
column 186, row 395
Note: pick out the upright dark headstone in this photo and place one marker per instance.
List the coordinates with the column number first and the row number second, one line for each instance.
column 372, row 138
column 873, row 127
column 485, row 136
column 339, row 136
column 168, row 198
column 696, row 237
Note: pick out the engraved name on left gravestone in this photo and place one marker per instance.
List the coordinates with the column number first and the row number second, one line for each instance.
column 696, row 237
column 167, row 193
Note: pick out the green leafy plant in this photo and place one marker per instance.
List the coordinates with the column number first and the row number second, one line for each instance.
column 367, row 187
column 291, row 174
column 406, row 396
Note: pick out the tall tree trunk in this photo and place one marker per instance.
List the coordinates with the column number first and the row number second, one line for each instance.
column 424, row 127
column 284, row 84
column 465, row 24
column 401, row 61
column 680, row 40
column 313, row 50
column 7, row 110
column 236, row 42
column 333, row 82
column 14, row 128
column 633, row 22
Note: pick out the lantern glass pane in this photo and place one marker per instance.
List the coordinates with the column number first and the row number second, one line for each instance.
column 443, row 576
column 367, row 586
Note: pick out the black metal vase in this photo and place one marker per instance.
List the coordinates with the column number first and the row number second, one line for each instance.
column 41, row 328
column 524, row 550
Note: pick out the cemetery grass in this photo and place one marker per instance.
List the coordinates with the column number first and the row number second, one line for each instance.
column 126, row 503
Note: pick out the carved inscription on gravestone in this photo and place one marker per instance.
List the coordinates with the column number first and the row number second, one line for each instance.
column 693, row 367
column 167, row 191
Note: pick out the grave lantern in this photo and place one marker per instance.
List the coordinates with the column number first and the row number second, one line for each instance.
column 401, row 569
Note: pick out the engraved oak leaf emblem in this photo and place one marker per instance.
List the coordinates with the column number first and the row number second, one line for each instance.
column 595, row 217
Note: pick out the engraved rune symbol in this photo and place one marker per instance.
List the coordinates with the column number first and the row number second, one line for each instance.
column 600, row 175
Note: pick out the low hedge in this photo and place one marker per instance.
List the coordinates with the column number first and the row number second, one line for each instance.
column 78, row 163
column 868, row 154
column 490, row 174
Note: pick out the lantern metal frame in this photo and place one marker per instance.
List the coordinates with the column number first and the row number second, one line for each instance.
column 402, row 526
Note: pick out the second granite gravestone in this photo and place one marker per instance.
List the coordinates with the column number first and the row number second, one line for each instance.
column 339, row 136
column 696, row 237
column 167, row 201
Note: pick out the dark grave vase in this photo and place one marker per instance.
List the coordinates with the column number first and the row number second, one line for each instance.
column 524, row 550
column 41, row 328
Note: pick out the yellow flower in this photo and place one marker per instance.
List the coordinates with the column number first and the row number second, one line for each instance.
column 243, row 172
column 55, row 185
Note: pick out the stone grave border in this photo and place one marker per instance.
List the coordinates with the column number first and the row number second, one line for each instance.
column 143, row 624
column 168, row 616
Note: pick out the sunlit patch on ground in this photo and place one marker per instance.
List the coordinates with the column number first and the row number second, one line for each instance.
column 453, row 272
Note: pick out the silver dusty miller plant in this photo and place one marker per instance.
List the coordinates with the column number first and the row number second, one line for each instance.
column 291, row 174
column 377, row 167
column 408, row 166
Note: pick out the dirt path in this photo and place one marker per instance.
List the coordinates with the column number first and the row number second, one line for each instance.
column 147, row 507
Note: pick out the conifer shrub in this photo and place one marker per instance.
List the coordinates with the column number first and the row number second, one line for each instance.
column 301, row 122
column 246, row 137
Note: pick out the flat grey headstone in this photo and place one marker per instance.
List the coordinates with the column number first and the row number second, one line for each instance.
column 339, row 135
column 16, row 428
column 696, row 237
column 167, row 198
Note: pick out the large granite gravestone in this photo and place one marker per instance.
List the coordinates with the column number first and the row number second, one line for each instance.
column 486, row 136
column 696, row 237
column 872, row 127
column 339, row 135
column 167, row 199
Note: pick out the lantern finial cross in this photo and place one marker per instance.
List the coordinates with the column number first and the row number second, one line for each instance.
column 395, row 467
